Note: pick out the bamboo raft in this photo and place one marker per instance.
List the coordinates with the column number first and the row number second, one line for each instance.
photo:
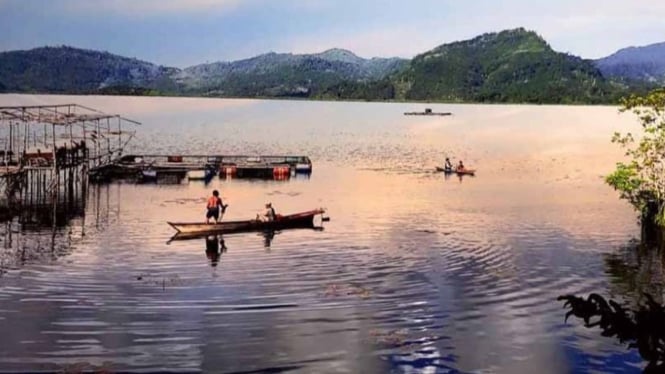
column 428, row 112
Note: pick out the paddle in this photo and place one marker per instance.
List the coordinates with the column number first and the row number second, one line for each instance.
column 224, row 206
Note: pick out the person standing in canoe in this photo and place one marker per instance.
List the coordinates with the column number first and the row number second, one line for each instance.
column 448, row 165
column 214, row 205
column 460, row 166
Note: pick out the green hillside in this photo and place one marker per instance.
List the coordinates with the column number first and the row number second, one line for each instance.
column 73, row 70
column 510, row 66
column 513, row 66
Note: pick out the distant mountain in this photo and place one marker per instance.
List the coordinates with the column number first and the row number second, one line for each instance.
column 284, row 74
column 636, row 64
column 509, row 66
column 73, row 70
column 374, row 68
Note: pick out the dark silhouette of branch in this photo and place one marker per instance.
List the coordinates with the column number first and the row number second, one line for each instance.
column 643, row 329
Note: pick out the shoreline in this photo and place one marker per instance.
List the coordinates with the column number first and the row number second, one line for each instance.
column 272, row 98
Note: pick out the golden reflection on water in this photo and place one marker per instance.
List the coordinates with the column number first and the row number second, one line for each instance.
column 465, row 268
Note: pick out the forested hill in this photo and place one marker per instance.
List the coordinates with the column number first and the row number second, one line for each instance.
column 73, row 70
column 515, row 66
column 284, row 74
column 509, row 66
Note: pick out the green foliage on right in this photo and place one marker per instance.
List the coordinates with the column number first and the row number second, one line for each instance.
column 642, row 181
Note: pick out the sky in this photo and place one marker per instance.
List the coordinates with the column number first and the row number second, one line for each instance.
column 182, row 33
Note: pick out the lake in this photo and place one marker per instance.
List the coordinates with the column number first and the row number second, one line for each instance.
column 415, row 272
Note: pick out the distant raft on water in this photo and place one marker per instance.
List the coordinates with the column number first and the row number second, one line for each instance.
column 428, row 112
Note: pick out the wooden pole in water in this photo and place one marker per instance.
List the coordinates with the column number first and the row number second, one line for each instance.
column 4, row 156
column 11, row 140
column 71, row 135
column 98, row 146
column 43, row 177
column 55, row 160
column 86, row 157
column 25, row 140
column 108, row 138
column 119, row 137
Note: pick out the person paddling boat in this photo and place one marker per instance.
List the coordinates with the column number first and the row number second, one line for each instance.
column 460, row 167
column 214, row 206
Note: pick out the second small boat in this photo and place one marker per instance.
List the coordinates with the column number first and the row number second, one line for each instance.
column 458, row 172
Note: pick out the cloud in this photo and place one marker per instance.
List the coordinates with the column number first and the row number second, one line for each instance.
column 390, row 41
column 199, row 30
column 581, row 27
column 148, row 7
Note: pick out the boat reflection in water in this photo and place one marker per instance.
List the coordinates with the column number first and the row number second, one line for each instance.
column 215, row 246
column 268, row 236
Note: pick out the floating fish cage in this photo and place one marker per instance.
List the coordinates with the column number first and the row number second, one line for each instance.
column 262, row 171
column 203, row 167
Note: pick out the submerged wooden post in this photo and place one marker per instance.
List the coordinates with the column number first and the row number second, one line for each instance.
column 5, row 155
column 86, row 157
column 11, row 140
column 119, row 136
column 25, row 138
column 98, row 146
column 25, row 134
column 55, row 161
column 108, row 139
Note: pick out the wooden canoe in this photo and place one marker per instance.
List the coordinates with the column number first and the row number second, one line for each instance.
column 298, row 220
column 449, row 171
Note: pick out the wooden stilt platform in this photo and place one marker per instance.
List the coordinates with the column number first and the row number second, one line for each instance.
column 47, row 150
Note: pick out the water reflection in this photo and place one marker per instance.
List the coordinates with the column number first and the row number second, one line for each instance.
column 639, row 328
column 636, row 272
column 268, row 236
column 415, row 275
column 39, row 232
column 636, row 269
column 216, row 243
column 459, row 177
column 39, row 216
column 215, row 246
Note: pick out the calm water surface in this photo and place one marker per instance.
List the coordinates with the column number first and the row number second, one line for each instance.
column 415, row 272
